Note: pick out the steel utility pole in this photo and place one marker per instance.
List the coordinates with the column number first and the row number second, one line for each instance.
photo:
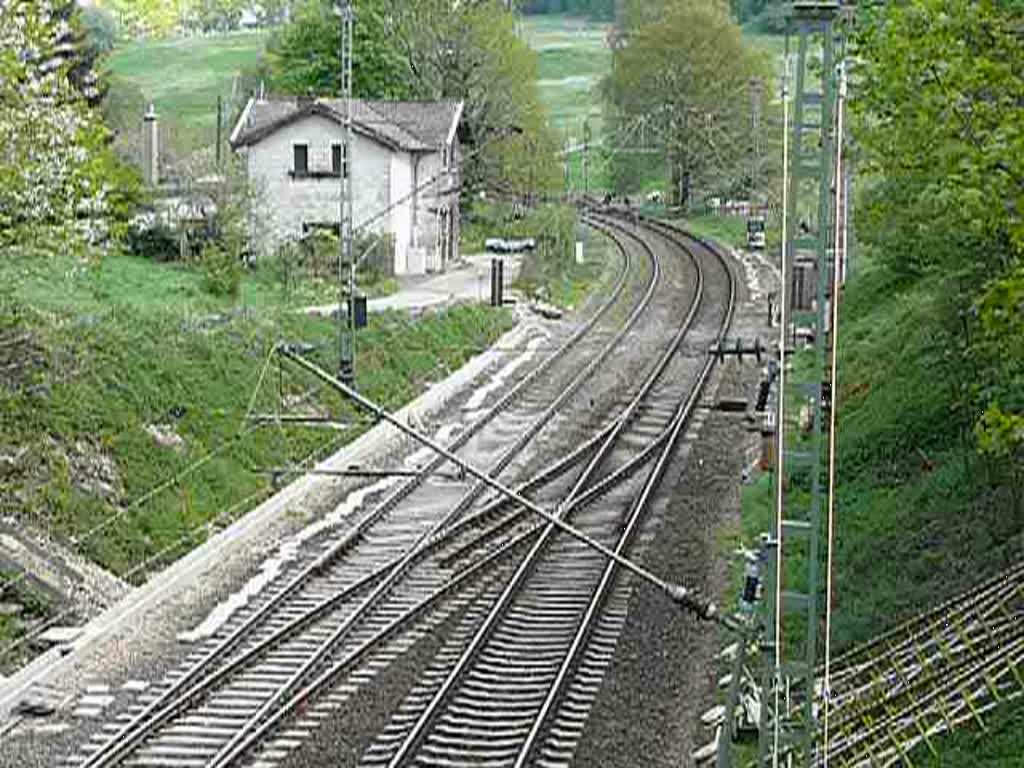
column 566, row 157
column 220, row 121
column 791, row 700
column 346, row 317
column 586, row 158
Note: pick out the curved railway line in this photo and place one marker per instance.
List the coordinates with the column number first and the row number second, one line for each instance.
column 508, row 698
column 535, row 612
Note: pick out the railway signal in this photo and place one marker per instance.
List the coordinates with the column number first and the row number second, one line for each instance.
column 790, row 704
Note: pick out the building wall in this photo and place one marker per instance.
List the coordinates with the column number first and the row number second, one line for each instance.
column 381, row 176
column 287, row 203
column 401, row 214
column 437, row 210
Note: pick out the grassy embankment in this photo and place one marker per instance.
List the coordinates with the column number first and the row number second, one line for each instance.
column 183, row 77
column 95, row 356
column 727, row 230
column 919, row 518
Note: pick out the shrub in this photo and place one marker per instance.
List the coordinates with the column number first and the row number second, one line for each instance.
column 222, row 271
column 152, row 240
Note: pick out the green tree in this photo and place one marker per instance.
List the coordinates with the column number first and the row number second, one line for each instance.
column 433, row 49
column 683, row 80
column 471, row 53
column 305, row 57
column 941, row 109
column 217, row 14
column 100, row 27
column 149, row 17
column 59, row 182
column 940, row 124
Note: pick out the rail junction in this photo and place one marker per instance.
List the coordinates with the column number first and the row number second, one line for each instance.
column 498, row 625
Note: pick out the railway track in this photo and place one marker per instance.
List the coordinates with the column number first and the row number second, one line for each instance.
column 520, row 689
column 941, row 669
column 427, row 553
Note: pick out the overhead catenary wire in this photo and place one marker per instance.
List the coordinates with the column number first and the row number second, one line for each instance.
column 840, row 227
column 678, row 593
column 780, row 419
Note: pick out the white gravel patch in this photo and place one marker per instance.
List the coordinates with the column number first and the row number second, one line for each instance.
column 480, row 396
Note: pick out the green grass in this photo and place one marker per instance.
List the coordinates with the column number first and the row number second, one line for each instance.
column 573, row 56
column 113, row 348
column 729, row 230
column 915, row 520
column 138, row 284
column 774, row 45
column 550, row 271
column 566, row 284
column 184, row 76
column 1001, row 746
column 920, row 516
column 35, row 606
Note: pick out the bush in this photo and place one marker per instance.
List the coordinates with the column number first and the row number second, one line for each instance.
column 122, row 110
column 222, row 271
column 156, row 241
column 101, row 28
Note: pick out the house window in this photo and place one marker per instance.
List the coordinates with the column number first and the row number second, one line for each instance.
column 337, row 153
column 301, row 167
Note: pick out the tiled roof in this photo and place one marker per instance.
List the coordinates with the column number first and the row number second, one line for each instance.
column 414, row 126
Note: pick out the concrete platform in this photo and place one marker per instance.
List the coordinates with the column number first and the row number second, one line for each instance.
column 467, row 280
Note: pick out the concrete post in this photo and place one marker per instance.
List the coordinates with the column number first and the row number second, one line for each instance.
column 150, row 148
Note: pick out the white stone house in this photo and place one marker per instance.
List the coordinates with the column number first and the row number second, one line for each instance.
column 405, row 172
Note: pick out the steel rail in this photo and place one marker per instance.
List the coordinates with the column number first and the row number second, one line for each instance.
column 980, row 665
column 951, row 719
column 241, row 743
column 583, row 480
column 597, row 601
column 234, row 747
column 183, row 699
column 512, row 588
column 501, row 502
column 929, row 620
column 136, row 729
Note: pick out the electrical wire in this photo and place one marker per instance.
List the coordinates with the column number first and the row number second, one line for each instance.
column 226, row 514
column 833, row 397
column 780, row 419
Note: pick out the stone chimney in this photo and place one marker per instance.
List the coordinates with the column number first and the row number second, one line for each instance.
column 150, row 148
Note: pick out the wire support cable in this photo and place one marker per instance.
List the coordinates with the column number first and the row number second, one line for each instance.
column 780, row 420
column 833, row 397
